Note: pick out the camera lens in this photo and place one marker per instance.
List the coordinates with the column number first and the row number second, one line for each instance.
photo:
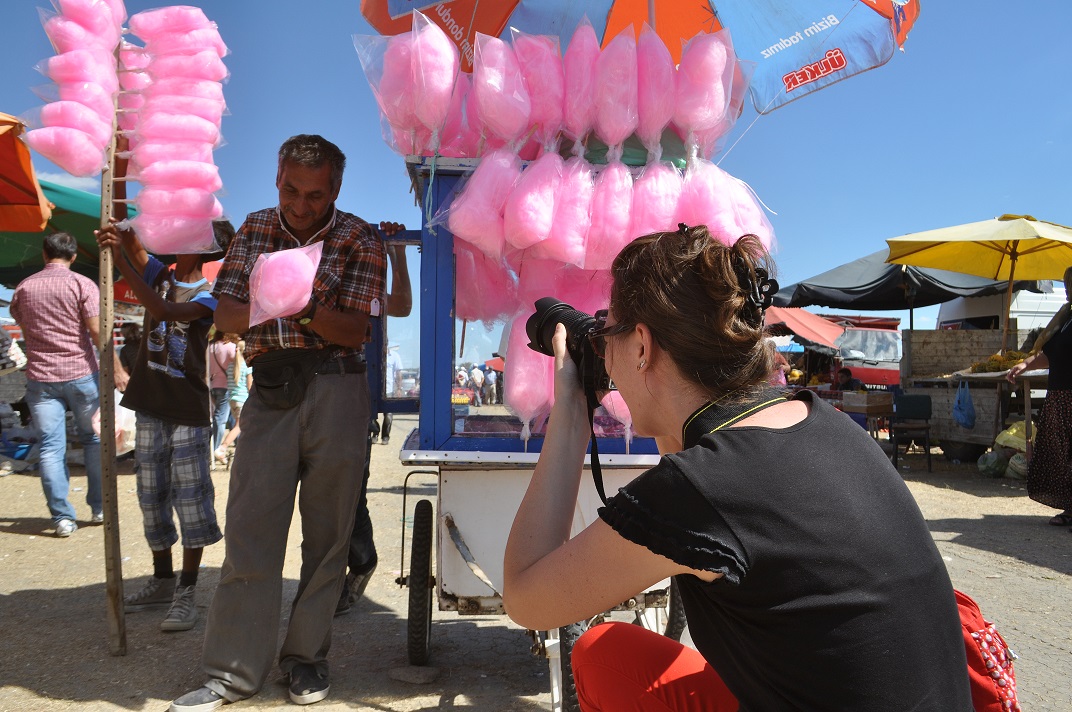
column 540, row 327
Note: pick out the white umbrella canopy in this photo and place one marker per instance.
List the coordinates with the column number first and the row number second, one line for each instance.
column 1007, row 247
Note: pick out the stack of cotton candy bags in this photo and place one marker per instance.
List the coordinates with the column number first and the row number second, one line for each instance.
column 281, row 283
column 180, row 107
column 76, row 130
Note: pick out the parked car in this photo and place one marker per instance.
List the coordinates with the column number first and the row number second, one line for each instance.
column 873, row 355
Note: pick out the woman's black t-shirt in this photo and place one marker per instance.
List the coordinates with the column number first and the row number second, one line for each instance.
column 833, row 594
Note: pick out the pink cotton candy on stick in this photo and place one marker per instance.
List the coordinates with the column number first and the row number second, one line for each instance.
column 655, row 88
column 502, row 99
column 119, row 11
column 89, row 94
column 541, row 67
column 655, row 199
column 579, row 64
column 612, row 207
column 174, row 18
column 134, row 81
column 180, row 86
column 530, row 209
column 72, row 150
column 435, row 69
column 412, row 142
column 459, row 140
column 205, row 64
column 706, row 200
column 67, row 35
column 149, row 152
column 83, row 65
column 127, row 118
column 749, row 214
column 207, row 109
column 616, row 89
column 187, row 42
column 485, row 291
column 527, row 389
column 174, row 234
column 77, row 116
column 538, row 278
column 285, row 283
column 182, row 174
column 703, row 82
column 185, row 202
column 708, row 141
column 395, row 91
column 572, row 216
column 476, row 215
column 177, row 127
column 94, row 15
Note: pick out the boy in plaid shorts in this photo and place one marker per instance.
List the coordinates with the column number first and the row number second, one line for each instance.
column 169, row 392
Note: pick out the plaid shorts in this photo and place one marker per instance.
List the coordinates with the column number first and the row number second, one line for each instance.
column 174, row 472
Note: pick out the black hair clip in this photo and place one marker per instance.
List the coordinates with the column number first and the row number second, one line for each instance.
column 683, row 229
column 759, row 292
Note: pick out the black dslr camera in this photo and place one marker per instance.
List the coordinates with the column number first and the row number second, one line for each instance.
column 591, row 367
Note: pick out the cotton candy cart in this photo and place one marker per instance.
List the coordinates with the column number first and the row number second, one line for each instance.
column 481, row 467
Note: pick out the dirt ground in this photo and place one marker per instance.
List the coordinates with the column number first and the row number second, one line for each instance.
column 56, row 653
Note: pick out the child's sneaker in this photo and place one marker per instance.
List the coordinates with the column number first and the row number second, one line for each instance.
column 156, row 593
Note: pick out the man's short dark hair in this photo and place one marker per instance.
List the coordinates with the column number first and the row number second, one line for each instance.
column 313, row 151
column 846, row 371
column 60, row 245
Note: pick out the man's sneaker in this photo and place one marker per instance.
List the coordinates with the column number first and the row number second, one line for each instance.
column 97, row 518
column 343, row 606
column 200, row 700
column 307, row 685
column 356, row 583
column 157, row 593
column 65, row 528
column 385, row 441
column 183, row 612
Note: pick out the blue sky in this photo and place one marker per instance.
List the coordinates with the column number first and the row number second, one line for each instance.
column 972, row 121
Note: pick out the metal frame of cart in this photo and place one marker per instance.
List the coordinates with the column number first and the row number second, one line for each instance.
column 457, row 545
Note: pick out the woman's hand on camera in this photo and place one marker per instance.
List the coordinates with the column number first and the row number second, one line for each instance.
column 567, row 380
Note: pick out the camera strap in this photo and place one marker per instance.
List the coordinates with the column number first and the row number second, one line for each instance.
column 597, row 472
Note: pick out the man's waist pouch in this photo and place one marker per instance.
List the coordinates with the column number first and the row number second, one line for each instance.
column 281, row 377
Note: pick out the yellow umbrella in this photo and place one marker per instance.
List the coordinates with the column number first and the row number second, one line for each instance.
column 1008, row 247
column 23, row 207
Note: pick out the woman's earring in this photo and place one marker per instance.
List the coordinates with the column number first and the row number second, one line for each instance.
column 641, row 365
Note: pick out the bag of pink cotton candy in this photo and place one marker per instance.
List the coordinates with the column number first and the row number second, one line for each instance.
column 281, row 283
column 485, row 289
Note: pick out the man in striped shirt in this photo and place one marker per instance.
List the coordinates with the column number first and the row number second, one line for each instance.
column 58, row 311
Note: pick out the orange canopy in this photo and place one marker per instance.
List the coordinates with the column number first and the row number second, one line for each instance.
column 807, row 326
column 23, row 207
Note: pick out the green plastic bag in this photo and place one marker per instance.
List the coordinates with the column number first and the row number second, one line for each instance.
column 993, row 463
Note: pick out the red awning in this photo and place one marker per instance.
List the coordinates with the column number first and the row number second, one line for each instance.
column 809, row 327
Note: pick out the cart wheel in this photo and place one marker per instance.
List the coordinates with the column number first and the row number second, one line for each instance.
column 558, row 645
column 669, row 621
column 419, row 621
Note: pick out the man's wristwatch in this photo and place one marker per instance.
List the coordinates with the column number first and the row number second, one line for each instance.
column 305, row 320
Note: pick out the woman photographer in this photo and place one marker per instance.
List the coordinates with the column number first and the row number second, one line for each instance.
column 807, row 572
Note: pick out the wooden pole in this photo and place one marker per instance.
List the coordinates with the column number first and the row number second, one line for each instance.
column 113, row 563
column 1008, row 301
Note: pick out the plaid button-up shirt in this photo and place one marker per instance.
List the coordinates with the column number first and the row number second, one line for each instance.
column 52, row 307
column 351, row 275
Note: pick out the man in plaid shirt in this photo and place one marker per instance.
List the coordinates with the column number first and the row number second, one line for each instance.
column 59, row 313
column 313, row 442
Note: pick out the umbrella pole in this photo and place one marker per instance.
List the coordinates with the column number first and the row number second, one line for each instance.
column 113, row 566
column 651, row 13
column 1008, row 301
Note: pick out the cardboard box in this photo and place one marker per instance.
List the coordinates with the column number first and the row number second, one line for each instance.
column 877, row 403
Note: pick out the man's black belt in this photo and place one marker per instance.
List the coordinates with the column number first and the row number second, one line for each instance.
column 342, row 365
